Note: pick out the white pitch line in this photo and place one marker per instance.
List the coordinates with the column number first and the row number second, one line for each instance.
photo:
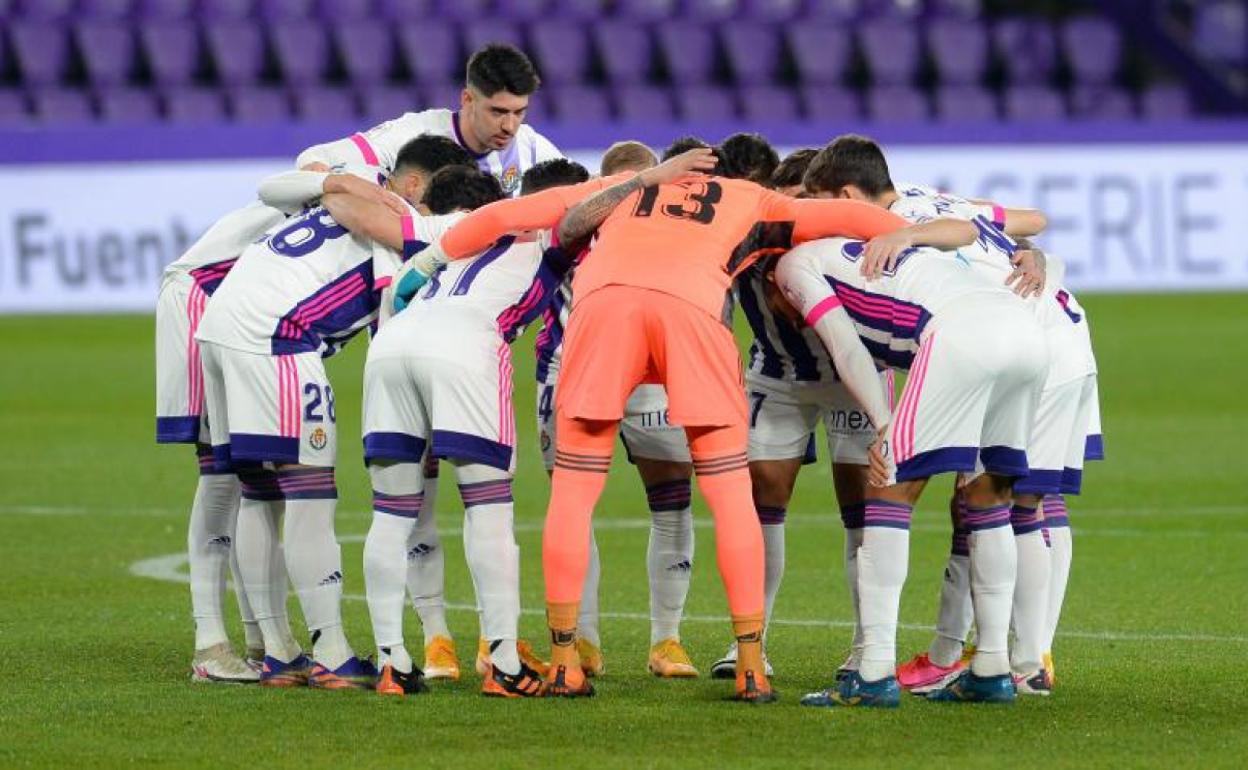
column 169, row 568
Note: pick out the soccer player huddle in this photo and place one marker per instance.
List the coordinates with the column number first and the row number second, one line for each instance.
column 447, row 233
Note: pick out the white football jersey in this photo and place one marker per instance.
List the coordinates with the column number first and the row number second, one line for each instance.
column 782, row 349
column 309, row 285
column 499, row 291
column 891, row 312
column 211, row 257
column 380, row 145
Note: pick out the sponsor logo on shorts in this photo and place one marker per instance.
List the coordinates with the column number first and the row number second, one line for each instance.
column 318, row 438
column 545, row 441
column 848, row 419
column 654, row 419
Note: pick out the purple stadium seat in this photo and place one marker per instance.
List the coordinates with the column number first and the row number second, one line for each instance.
column 771, row 10
column 464, row 10
column 1093, row 47
column 1033, row 104
column 1166, row 101
column 833, row 10
column 172, row 51
column 965, row 104
column 13, row 107
column 525, row 10
column 387, row 103
column 753, row 52
column 1100, row 103
column 896, row 104
column 259, row 105
column 581, row 10
column 128, row 105
column 768, row 104
column 704, row 103
column 1221, row 31
column 710, row 10
column 107, row 49
column 646, row 10
column 895, row 9
column 237, row 50
column 689, row 50
column 643, row 104
column 223, row 10
column 61, row 105
column 302, row 50
column 45, row 10
column 959, row 48
column 41, row 51
column 106, row 9
column 173, row 9
column 830, row 103
column 891, row 48
column 493, row 30
column 286, row 10
column 625, row 50
column 579, row 104
column 562, row 51
column 324, row 104
column 194, row 105
column 366, row 50
column 1027, row 48
column 405, row 11
column 821, row 51
column 955, row 9
column 431, row 52
column 440, row 96
column 347, row 10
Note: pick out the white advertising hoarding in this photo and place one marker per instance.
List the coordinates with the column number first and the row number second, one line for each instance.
column 95, row 237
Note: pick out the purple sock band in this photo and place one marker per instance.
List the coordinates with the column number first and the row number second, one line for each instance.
column 256, row 483
column 486, row 493
column 407, row 506
column 769, row 514
column 881, row 513
column 307, row 484
column 961, row 544
column 977, row 519
column 1025, row 520
column 853, row 516
column 1055, row 514
column 669, row 496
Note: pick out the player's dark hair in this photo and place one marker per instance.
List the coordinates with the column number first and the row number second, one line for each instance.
column 499, row 67
column 748, row 156
column 849, row 159
column 683, row 144
column 792, row 168
column 429, row 152
column 556, row 172
column 461, row 187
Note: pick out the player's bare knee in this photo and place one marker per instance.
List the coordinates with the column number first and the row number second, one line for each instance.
column 772, row 481
column 654, row 472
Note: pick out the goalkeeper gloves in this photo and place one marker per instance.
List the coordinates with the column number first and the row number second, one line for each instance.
column 416, row 273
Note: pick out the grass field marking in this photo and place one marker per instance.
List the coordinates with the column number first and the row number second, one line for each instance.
column 170, row 568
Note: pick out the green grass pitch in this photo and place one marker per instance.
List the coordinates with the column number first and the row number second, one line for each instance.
column 94, row 658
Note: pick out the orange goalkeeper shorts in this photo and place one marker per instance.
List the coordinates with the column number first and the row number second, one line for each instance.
column 619, row 337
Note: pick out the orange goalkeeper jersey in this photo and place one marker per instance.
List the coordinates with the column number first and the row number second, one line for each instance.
column 690, row 238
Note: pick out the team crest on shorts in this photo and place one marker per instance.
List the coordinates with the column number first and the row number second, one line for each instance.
column 545, row 441
column 510, row 179
column 318, row 439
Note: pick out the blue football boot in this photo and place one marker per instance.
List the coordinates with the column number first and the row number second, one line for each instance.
column 969, row 688
column 853, row 691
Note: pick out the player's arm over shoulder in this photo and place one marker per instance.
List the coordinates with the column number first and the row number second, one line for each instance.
column 1012, row 221
column 378, row 146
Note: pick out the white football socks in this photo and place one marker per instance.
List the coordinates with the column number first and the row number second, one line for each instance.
column 261, row 565
column 883, row 561
column 852, row 518
column 1031, row 591
column 669, row 556
column 426, row 567
column 772, row 520
column 397, row 501
column 956, row 613
column 209, row 545
column 587, row 620
column 493, row 557
column 994, row 565
column 1061, row 552
column 314, row 560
